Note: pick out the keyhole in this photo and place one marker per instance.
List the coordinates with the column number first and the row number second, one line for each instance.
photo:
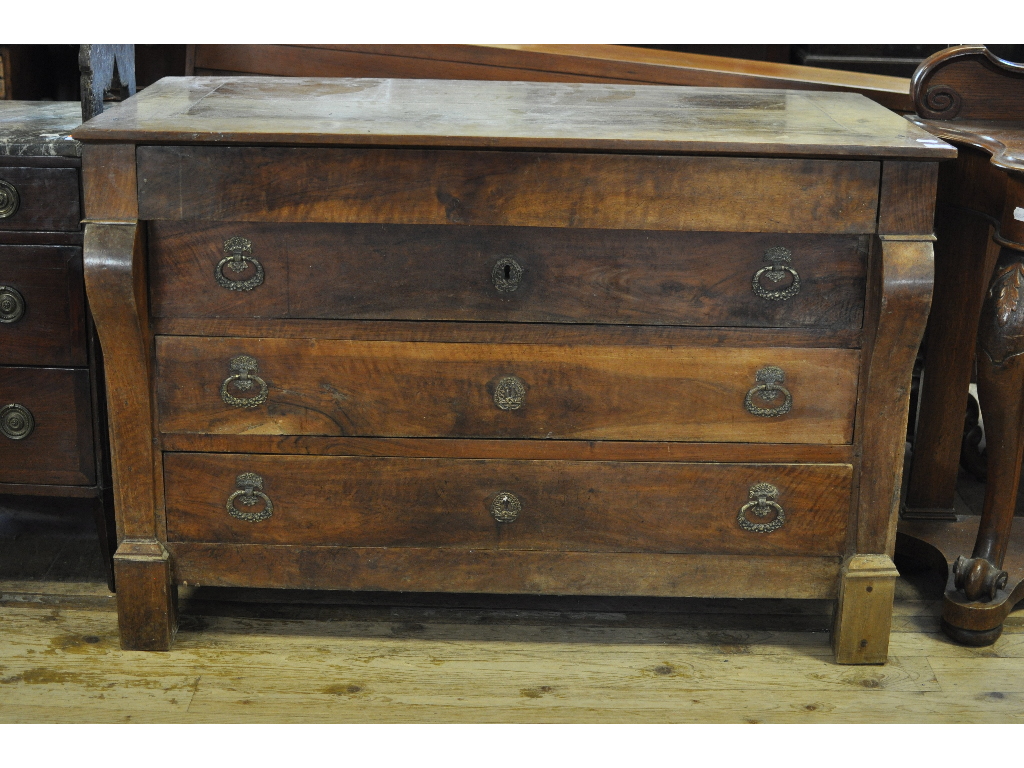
column 508, row 271
column 504, row 504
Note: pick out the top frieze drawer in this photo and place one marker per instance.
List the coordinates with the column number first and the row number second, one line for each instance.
column 508, row 188
column 41, row 199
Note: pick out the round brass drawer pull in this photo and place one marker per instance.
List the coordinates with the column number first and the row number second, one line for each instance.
column 507, row 274
column 239, row 258
column 778, row 259
column 250, row 491
column 768, row 389
column 509, row 393
column 506, row 507
column 10, row 200
column 16, row 421
column 12, row 304
column 245, row 369
column 763, row 500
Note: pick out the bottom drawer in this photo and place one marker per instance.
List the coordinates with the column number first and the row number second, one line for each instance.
column 46, row 427
column 583, row 506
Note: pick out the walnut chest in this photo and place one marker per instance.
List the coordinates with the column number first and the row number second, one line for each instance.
column 507, row 337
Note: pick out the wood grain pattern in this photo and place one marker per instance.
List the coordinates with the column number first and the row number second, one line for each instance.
column 108, row 181
column 146, row 599
column 49, row 199
column 576, row 450
column 864, row 610
column 903, row 295
column 59, row 451
column 445, row 273
column 393, row 389
column 52, row 330
column 511, row 115
column 566, row 506
column 907, row 204
column 487, row 571
column 405, row 186
column 545, row 63
column 509, row 333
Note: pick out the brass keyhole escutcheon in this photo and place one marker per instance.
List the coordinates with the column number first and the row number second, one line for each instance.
column 16, row 421
column 507, row 274
column 768, row 390
column 249, row 493
column 10, row 200
column 243, row 375
column 12, row 304
column 509, row 393
column 778, row 260
column 764, row 500
column 238, row 260
column 506, row 507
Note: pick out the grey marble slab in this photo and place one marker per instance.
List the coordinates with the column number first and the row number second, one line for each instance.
column 39, row 128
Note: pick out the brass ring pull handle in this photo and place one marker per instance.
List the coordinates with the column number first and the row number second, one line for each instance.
column 509, row 393
column 778, row 259
column 243, row 377
column 12, row 304
column 768, row 389
column 506, row 507
column 239, row 257
column 507, row 274
column 250, row 491
column 763, row 500
column 16, row 421
column 10, row 200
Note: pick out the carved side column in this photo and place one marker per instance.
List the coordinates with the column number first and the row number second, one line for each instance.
column 115, row 281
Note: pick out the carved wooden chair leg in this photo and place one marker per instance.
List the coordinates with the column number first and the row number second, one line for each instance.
column 1001, row 392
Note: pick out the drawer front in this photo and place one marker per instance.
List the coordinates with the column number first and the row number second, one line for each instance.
column 46, row 427
column 40, row 199
column 419, row 389
column 507, row 274
column 42, row 306
column 493, row 504
column 528, row 189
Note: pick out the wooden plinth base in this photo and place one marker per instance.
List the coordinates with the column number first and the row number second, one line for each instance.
column 937, row 544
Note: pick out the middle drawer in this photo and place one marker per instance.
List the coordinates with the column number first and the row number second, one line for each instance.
column 421, row 389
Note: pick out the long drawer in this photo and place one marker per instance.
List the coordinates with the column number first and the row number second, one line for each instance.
column 525, row 189
column 46, row 431
column 418, row 389
column 592, row 506
column 39, row 199
column 506, row 274
column 42, row 305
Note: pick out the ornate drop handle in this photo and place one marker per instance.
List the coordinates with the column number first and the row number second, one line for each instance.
column 763, row 500
column 778, row 259
column 507, row 274
column 250, row 491
column 245, row 369
column 239, row 256
column 16, row 421
column 10, row 200
column 506, row 507
column 769, row 388
column 12, row 304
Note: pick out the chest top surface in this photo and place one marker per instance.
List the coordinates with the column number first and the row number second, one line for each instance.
column 512, row 115
column 39, row 128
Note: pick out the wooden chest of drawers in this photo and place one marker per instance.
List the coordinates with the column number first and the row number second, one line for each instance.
column 508, row 337
column 52, row 430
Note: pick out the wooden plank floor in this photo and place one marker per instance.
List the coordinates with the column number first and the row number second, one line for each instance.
column 260, row 656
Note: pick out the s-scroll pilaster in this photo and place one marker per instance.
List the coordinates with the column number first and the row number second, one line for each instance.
column 898, row 310
column 114, row 255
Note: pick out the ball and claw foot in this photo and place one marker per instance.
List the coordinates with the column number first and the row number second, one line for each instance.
column 978, row 578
